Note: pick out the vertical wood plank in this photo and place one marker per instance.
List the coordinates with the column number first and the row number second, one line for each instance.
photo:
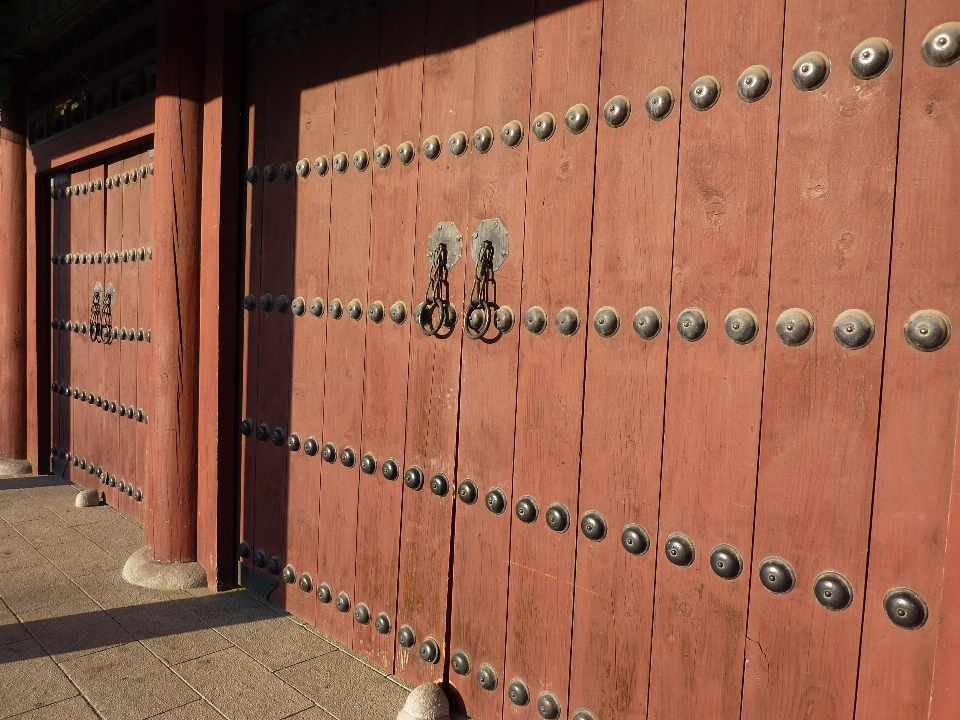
column 144, row 331
column 97, row 243
column 129, row 305
column 113, row 274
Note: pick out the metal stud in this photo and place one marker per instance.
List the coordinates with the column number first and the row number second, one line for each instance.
column 329, row 453
column 282, row 304
column 871, row 58
column 431, row 147
column 321, row 165
column 306, row 583
column 390, row 469
column 278, row 437
column 692, row 324
column 535, row 320
column 468, row 492
column 518, row 693
column 348, row 457
column 905, row 608
column 316, row 307
column 854, row 329
column 273, row 567
column 704, row 93
column 406, row 637
column 593, row 526
column 577, row 119
column 381, row 156
column 927, row 330
column 558, row 518
column 298, row 306
column 375, row 312
column 138, row 495
column 941, row 46
column 496, row 501
column 270, row 173
column 635, row 539
column 584, row 715
column 548, row 706
column 527, row 510
column 354, row 310
column 244, row 549
column 324, row 594
column 833, row 591
column 753, row 83
column 647, row 323
column 616, row 112
column 483, row 139
column 439, row 485
column 398, row 312
column 311, row 447
column 741, row 326
column 726, row 562
column 430, row 651
column 777, row 575
column 512, row 134
column 260, row 559
column 487, row 677
column 413, row 478
column 503, row 319
column 406, row 152
column 679, row 549
column 460, row 662
column 266, row 303
column 289, row 575
column 263, row 432
column 568, row 321
column 361, row 160
column 606, row 322
column 341, row 163
column 794, row 327
column 811, row 71
column 544, row 125
column 286, row 171
column 362, row 614
column 343, row 602
column 293, row 442
column 382, row 624
column 368, row 464
column 303, row 168
column 335, row 309
column 458, row 143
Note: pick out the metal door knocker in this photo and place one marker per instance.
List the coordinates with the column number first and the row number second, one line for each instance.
column 100, row 314
column 478, row 313
column 443, row 250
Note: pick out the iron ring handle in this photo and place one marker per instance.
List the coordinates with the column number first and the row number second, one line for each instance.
column 474, row 305
column 429, row 306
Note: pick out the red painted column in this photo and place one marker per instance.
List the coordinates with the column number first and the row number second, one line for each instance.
column 170, row 522
column 13, row 274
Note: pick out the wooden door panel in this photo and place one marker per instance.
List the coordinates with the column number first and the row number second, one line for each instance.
column 129, row 306
column 832, row 231
column 915, row 477
column 61, row 336
column 113, row 275
column 96, row 234
column 143, row 329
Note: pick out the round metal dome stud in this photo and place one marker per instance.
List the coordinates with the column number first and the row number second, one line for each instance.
column 503, row 319
column 568, row 321
column 354, row 310
column 616, row 112
column 406, row 637
column 679, row 550
column 311, row 447
column 299, row 306
column 811, row 71
column 647, row 323
column 905, row 608
column 854, row 329
column 244, row 549
column 606, row 322
column 460, row 663
column 467, row 492
column 406, row 152
column 335, row 309
column 704, row 93
column 558, row 518
column 941, row 46
column 329, row 453
column 593, row 526
column 286, row 171
column 577, row 119
column 692, row 324
column 741, row 326
column 398, row 312
column 584, row 715
column 518, row 693
column 794, row 327
column 321, row 165
column 544, row 125
column 413, row 478
column 512, row 134
column 368, row 464
column 527, row 510
column 535, row 320
column 753, row 83
column 361, row 160
column 635, row 539
column 273, row 567
column 439, row 485
column 130, row 414
column 316, row 307
column 487, row 677
column 430, row 651
column 362, row 614
column 289, row 574
column 340, row 163
column 323, row 594
column 293, row 442
column 348, row 457
column 382, row 155
column 382, row 624
column 431, row 147
column 548, row 706
column 303, row 169
column 122, row 486
column 927, row 330
column 871, row 58
column 266, row 303
column 496, row 501
column 282, row 304
column 278, row 437
column 726, row 562
column 833, row 591
column 263, row 432
column 306, row 583
column 777, row 576
column 138, row 495
column 483, row 139
column 270, row 173
column 343, row 602
column 390, row 469
column 458, row 143
column 375, row 312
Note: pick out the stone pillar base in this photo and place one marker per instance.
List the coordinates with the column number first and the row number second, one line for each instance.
column 142, row 570
column 426, row 702
column 15, row 467
column 87, row 498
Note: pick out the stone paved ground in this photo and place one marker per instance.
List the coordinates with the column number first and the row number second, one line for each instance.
column 77, row 642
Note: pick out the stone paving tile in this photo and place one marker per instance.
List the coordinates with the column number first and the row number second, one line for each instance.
column 313, row 713
column 240, row 688
column 11, row 630
column 76, row 708
column 6, row 529
column 29, row 679
column 111, row 591
column 38, row 587
column 199, row 710
column 15, row 506
column 277, row 642
column 17, row 555
column 81, row 557
column 170, row 633
column 346, row 688
column 127, row 683
column 75, row 628
column 45, row 530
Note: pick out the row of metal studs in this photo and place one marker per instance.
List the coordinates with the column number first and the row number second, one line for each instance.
column 103, row 475
column 106, row 405
column 97, row 258
column 60, row 193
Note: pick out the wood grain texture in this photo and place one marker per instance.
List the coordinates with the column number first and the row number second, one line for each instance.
column 128, row 303
column 488, row 387
column 912, row 509
column 433, row 390
column 96, row 242
column 386, row 363
column 556, row 263
column 144, row 323
column 113, row 243
column 82, row 291
column 832, row 230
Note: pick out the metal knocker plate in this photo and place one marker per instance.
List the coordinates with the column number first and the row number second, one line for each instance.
column 489, row 249
column 445, row 233
column 494, row 232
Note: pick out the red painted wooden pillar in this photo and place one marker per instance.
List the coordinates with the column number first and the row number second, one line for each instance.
column 170, row 523
column 13, row 274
